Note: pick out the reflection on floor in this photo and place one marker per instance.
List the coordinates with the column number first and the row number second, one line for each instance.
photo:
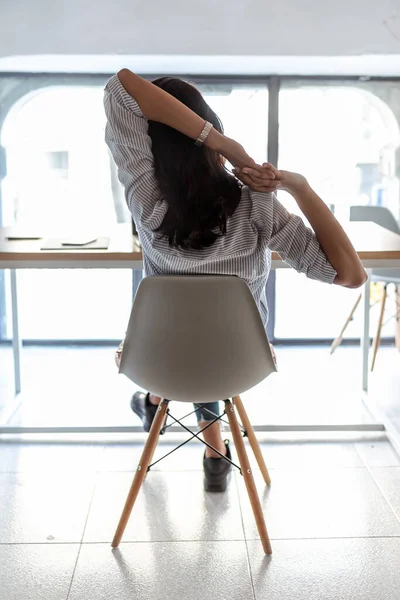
column 80, row 386
column 333, row 513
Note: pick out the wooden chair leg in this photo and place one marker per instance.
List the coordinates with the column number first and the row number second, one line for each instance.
column 248, row 476
column 377, row 339
column 397, row 293
column 140, row 474
column 255, row 446
column 161, row 428
column 338, row 340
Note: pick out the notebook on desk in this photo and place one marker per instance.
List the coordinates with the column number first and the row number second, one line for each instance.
column 75, row 243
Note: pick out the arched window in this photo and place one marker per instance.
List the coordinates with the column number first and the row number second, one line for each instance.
column 60, row 173
column 343, row 136
column 58, row 167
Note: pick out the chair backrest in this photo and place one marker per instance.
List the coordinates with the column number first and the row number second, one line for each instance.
column 378, row 214
column 195, row 338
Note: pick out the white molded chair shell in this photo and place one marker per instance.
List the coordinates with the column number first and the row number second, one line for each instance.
column 195, row 338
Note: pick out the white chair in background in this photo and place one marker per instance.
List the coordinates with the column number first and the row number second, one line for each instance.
column 383, row 217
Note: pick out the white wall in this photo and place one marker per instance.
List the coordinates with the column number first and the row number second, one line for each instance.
column 254, row 28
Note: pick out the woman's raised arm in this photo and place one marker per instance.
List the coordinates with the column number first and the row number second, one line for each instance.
column 158, row 105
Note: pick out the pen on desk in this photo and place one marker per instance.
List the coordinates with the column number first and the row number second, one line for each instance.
column 18, row 238
column 78, row 244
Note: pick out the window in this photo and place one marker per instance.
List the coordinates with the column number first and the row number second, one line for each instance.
column 343, row 136
column 243, row 110
column 60, row 176
column 60, row 173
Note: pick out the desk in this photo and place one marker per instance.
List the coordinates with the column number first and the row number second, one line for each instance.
column 376, row 246
column 123, row 252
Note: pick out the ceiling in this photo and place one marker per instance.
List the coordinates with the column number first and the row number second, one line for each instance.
column 248, row 31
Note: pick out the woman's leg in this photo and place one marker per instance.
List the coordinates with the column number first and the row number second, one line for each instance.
column 216, row 468
column 212, row 435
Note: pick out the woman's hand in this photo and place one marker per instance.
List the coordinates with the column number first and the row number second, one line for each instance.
column 270, row 179
column 259, row 180
column 263, row 179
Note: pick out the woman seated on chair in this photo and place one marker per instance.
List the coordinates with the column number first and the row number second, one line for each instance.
column 193, row 216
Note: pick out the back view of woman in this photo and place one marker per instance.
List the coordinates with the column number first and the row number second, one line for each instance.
column 194, row 217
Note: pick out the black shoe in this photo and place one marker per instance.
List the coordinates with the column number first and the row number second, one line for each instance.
column 216, row 471
column 144, row 409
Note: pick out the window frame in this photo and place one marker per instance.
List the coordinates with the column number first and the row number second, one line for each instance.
column 31, row 83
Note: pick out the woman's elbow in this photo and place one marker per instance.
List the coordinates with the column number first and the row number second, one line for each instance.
column 124, row 75
column 352, row 281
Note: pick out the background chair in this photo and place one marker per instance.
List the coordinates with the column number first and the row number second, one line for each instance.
column 383, row 217
column 197, row 339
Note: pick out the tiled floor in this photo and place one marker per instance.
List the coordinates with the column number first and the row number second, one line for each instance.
column 333, row 513
column 333, row 510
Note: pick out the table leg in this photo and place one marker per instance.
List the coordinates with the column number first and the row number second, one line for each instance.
column 16, row 340
column 397, row 293
column 137, row 277
column 365, row 340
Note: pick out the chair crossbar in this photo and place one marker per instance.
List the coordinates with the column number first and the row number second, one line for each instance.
column 183, row 443
column 196, row 410
column 197, row 436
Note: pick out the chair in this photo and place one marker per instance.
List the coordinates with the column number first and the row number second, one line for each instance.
column 383, row 217
column 197, row 339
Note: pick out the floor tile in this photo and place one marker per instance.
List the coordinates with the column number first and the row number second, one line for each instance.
column 170, row 506
column 289, row 399
column 308, row 455
column 282, row 455
column 388, row 480
column 378, row 454
column 33, row 457
column 348, row 569
column 163, row 571
column 125, row 457
column 320, row 503
column 39, row 507
column 36, row 571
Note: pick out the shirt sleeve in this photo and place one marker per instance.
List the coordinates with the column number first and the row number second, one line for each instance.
column 127, row 137
column 287, row 235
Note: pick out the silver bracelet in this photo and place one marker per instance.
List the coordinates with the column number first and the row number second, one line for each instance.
column 204, row 134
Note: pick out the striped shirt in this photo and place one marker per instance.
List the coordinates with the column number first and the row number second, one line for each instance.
column 259, row 225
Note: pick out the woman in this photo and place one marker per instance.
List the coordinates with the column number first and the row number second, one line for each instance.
column 193, row 216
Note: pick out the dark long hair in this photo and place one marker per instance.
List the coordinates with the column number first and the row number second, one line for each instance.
column 200, row 193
